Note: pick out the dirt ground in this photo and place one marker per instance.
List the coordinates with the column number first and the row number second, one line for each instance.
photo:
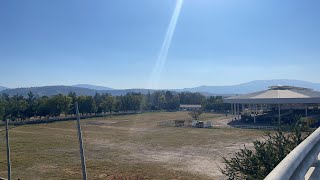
column 131, row 146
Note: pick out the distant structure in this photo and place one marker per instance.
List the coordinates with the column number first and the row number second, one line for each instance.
column 276, row 99
column 189, row 107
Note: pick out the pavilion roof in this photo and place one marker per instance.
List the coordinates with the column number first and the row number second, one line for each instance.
column 278, row 94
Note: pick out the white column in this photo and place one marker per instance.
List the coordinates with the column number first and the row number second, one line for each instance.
column 232, row 111
column 279, row 118
column 238, row 111
column 235, row 110
column 242, row 109
column 306, row 110
column 254, row 115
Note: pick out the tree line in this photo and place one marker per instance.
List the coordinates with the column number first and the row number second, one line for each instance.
column 19, row 107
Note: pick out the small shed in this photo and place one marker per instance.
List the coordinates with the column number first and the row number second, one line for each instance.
column 189, row 107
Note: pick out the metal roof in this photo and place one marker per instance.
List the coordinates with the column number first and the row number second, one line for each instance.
column 278, row 95
column 190, row 106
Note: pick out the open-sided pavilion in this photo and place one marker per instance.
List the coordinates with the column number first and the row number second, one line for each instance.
column 276, row 97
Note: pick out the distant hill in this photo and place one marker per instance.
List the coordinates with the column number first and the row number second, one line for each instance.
column 205, row 90
column 49, row 91
column 89, row 86
column 54, row 90
column 2, row 88
column 252, row 86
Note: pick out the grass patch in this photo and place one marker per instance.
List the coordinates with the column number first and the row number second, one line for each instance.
column 131, row 146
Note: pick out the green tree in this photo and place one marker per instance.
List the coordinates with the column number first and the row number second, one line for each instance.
column 135, row 101
column 32, row 106
column 55, row 104
column 86, row 104
column 43, row 108
column 215, row 103
column 16, row 107
column 108, row 104
column 172, row 102
column 66, row 104
column 73, row 97
column 59, row 104
column 191, row 98
column 118, row 104
column 147, row 102
column 155, row 100
column 2, row 109
column 98, row 99
column 162, row 101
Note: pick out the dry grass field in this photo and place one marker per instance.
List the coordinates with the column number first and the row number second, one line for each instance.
column 130, row 146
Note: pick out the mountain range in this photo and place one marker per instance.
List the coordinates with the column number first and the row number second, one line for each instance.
column 89, row 86
column 87, row 89
column 2, row 88
column 252, row 86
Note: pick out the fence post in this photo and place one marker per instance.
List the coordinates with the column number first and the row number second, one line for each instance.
column 8, row 150
column 83, row 160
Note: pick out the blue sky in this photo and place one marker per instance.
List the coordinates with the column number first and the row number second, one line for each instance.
column 116, row 43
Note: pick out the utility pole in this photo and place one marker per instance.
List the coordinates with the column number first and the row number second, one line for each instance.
column 8, row 149
column 83, row 160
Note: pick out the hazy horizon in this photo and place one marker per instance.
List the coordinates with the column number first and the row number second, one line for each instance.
column 185, row 87
column 143, row 44
column 159, row 88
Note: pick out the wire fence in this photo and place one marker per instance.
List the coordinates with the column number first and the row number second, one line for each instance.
column 255, row 127
column 68, row 118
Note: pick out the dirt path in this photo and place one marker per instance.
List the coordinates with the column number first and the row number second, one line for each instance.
column 222, row 121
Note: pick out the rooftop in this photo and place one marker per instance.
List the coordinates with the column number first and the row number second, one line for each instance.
column 190, row 106
column 278, row 94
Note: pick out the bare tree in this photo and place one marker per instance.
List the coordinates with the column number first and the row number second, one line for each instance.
column 195, row 114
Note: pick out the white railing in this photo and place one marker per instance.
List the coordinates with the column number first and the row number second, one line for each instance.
column 298, row 161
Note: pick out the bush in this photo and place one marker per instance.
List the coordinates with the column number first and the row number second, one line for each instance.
column 266, row 154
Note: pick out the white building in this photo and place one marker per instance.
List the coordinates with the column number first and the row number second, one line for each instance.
column 276, row 97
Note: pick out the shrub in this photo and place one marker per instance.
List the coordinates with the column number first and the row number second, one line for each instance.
column 266, row 154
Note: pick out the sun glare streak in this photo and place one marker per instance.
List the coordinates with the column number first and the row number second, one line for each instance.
column 162, row 57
